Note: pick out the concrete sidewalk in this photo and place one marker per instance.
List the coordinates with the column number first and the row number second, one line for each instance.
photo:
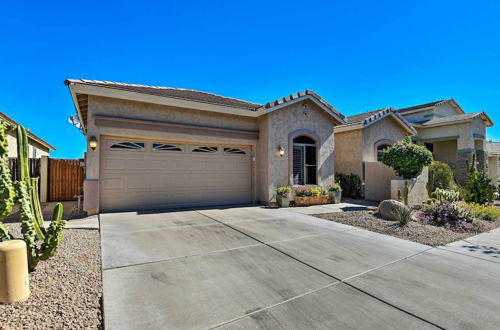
column 255, row 267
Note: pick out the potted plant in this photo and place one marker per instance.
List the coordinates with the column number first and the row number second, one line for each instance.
column 335, row 193
column 284, row 196
column 309, row 195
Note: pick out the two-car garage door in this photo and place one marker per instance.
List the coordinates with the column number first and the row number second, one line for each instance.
column 137, row 174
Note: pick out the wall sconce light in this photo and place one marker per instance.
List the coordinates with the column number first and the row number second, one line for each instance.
column 281, row 151
column 93, row 142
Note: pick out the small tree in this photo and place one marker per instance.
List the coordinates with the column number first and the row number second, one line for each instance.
column 406, row 158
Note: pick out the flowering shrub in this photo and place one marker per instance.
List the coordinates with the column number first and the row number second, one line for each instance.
column 286, row 191
column 309, row 191
column 335, row 187
column 452, row 216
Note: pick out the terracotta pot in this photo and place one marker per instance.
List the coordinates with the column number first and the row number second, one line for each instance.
column 283, row 201
column 310, row 200
column 335, row 196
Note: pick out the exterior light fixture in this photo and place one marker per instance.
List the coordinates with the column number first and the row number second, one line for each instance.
column 281, row 151
column 93, row 142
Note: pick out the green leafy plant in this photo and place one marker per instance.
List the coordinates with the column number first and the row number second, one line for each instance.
column 41, row 243
column 441, row 195
column 7, row 192
column 403, row 194
column 440, row 177
column 286, row 191
column 403, row 214
column 478, row 188
column 350, row 184
column 406, row 158
column 485, row 212
column 335, row 187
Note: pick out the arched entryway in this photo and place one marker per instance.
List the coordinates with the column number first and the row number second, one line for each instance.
column 304, row 163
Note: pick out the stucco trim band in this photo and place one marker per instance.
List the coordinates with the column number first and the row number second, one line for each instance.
column 180, row 128
column 478, row 136
column 466, row 150
column 443, row 138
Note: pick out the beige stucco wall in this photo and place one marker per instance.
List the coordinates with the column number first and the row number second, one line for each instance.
column 378, row 181
column 349, row 152
column 35, row 150
column 446, row 152
column 493, row 169
column 269, row 169
column 386, row 130
column 289, row 122
column 440, row 111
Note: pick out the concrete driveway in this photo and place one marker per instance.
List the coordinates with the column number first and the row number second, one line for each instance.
column 252, row 267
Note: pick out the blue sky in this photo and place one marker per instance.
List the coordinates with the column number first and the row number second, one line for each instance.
column 358, row 55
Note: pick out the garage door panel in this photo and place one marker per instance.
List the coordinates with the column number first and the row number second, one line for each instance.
column 158, row 178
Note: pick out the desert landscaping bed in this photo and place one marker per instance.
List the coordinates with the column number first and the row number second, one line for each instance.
column 413, row 231
column 66, row 290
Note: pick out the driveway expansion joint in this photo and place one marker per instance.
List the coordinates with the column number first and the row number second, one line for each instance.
column 338, row 280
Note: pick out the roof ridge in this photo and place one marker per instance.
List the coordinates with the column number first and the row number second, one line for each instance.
column 108, row 82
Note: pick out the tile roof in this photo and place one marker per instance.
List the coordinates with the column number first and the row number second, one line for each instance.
column 180, row 93
column 362, row 116
column 493, row 147
column 425, row 105
column 450, row 119
column 32, row 136
column 369, row 117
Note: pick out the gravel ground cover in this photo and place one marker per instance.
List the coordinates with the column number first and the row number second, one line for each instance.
column 66, row 290
column 413, row 231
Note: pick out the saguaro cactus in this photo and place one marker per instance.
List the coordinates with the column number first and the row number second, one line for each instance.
column 7, row 192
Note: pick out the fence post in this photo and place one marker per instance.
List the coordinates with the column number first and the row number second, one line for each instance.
column 44, row 178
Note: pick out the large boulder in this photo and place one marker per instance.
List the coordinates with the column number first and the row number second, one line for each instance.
column 388, row 208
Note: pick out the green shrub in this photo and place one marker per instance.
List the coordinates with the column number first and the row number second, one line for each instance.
column 453, row 216
column 440, row 177
column 350, row 184
column 442, row 195
column 335, row 187
column 403, row 214
column 486, row 212
column 406, row 158
column 478, row 188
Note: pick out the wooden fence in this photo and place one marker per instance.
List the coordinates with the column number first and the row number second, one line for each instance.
column 65, row 179
column 34, row 166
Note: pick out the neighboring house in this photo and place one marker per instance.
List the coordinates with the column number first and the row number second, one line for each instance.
column 161, row 147
column 452, row 135
column 359, row 145
column 36, row 146
column 493, row 150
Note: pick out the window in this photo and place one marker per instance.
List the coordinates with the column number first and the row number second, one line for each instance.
column 380, row 151
column 166, row 147
column 304, row 161
column 128, row 145
column 234, row 151
column 205, row 149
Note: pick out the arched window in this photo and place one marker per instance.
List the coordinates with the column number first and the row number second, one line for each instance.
column 304, row 160
column 380, row 150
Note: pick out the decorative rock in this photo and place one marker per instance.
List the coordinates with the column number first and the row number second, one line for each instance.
column 387, row 208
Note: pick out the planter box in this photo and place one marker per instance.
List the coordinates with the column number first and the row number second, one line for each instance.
column 309, row 200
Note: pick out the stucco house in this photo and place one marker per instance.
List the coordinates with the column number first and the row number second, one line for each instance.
column 452, row 135
column 37, row 147
column 493, row 150
column 159, row 147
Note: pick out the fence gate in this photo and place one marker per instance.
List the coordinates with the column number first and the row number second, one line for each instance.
column 65, row 179
column 33, row 164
